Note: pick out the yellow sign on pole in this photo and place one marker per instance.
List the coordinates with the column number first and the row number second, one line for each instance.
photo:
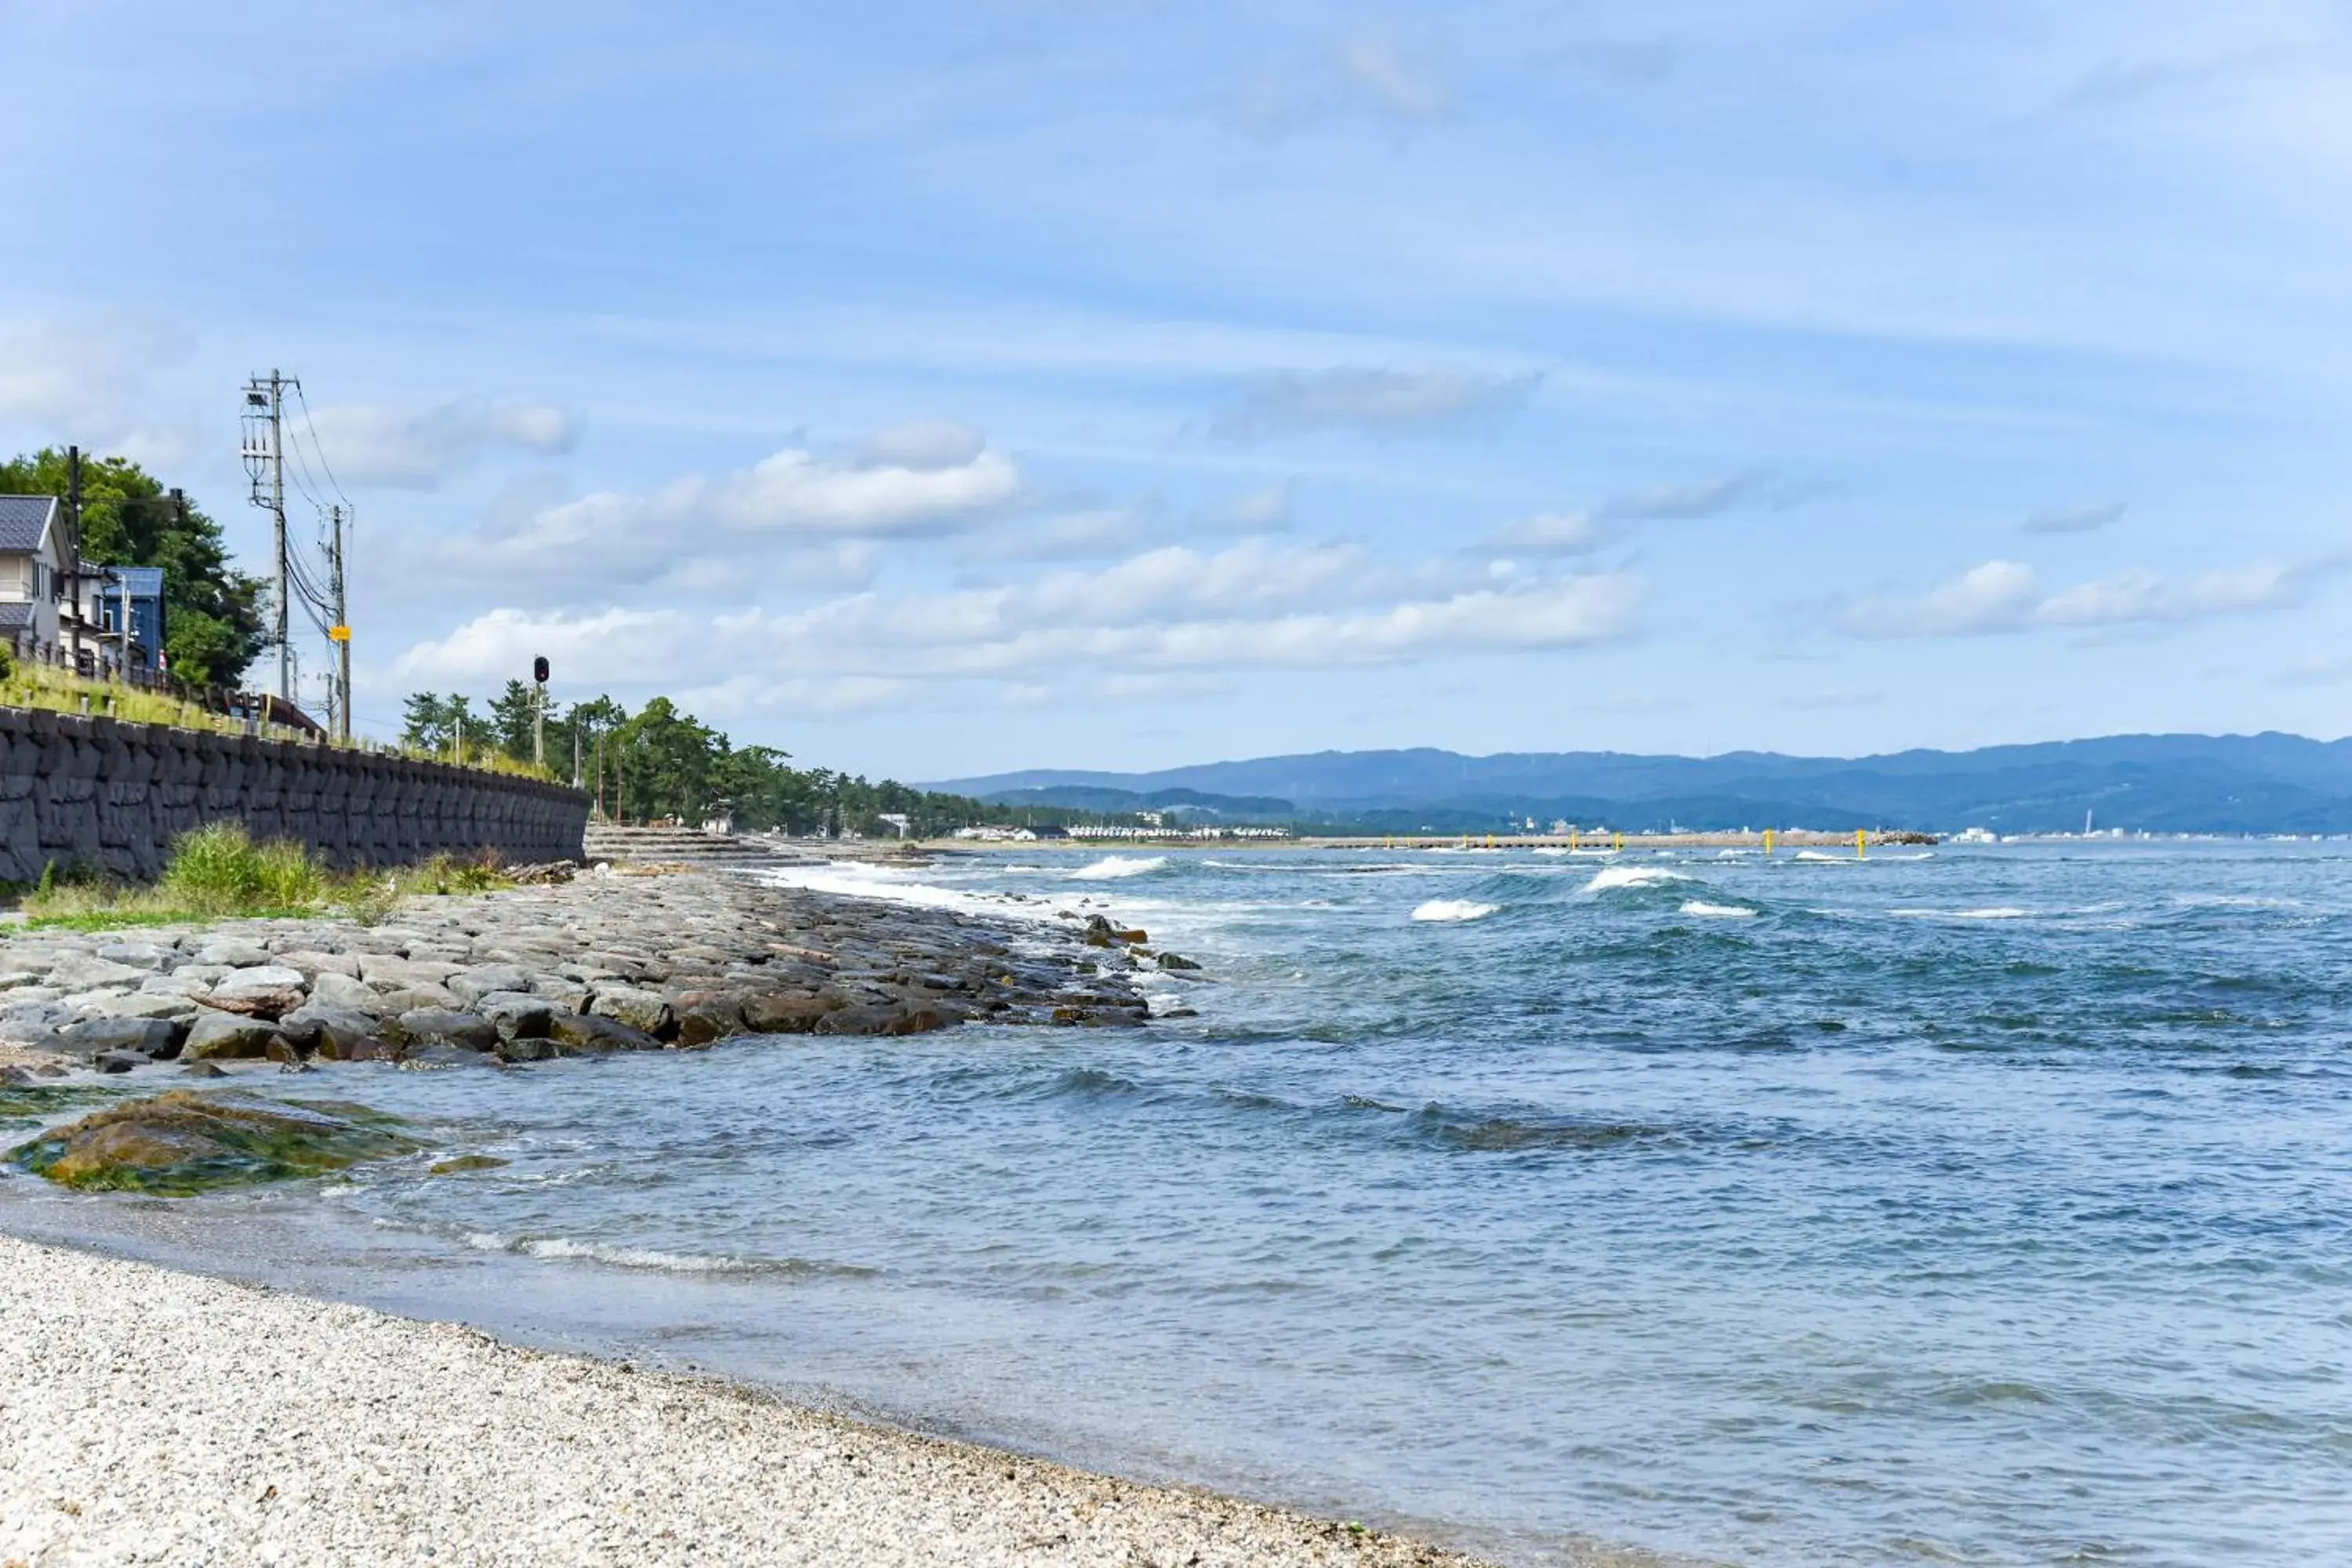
column 339, row 633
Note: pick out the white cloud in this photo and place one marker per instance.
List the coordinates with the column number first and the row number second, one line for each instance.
column 370, row 443
column 2074, row 519
column 1292, row 402
column 2006, row 596
column 793, row 494
column 1169, row 610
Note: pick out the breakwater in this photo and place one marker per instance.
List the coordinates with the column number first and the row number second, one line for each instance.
column 105, row 794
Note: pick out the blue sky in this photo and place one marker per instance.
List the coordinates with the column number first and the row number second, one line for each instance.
column 937, row 389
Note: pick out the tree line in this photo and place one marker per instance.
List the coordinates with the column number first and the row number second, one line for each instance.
column 659, row 764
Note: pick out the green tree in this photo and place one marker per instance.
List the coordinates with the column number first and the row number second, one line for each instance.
column 513, row 716
column 211, row 612
column 663, row 758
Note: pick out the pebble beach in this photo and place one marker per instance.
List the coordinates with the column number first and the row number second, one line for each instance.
column 163, row 1417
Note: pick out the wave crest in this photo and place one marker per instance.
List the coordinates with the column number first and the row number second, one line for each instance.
column 1111, row 868
column 1453, row 909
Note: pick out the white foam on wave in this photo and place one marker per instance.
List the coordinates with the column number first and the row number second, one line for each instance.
column 857, row 879
column 1701, row 909
column 1111, row 868
column 1825, row 855
column 562, row 1246
column 1453, row 909
column 1631, row 877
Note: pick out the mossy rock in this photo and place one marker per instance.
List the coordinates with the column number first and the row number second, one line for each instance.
column 183, row 1142
column 465, row 1162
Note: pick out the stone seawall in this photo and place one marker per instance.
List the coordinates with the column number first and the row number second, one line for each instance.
column 105, row 794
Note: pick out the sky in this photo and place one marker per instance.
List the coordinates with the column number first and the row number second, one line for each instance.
column 935, row 389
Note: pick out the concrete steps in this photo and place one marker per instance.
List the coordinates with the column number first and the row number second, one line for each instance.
column 685, row 846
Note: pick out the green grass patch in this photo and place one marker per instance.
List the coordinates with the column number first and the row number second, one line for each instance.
column 220, row 872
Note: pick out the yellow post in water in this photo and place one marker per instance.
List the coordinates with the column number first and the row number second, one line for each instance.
column 1572, row 837
column 1861, row 843
column 1768, row 841
column 1621, row 841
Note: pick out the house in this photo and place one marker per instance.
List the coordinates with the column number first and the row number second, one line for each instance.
column 32, row 535
column 50, row 614
column 133, row 594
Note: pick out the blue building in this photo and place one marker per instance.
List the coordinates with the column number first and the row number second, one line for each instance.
column 139, row 591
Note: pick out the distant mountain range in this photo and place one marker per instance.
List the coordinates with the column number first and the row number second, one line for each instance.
column 2269, row 782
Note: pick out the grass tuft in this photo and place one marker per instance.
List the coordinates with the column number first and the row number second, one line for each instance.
column 217, row 872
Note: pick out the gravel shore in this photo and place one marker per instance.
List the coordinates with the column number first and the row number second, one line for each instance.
column 161, row 1417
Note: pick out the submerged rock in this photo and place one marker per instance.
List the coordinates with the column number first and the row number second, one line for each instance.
column 183, row 1142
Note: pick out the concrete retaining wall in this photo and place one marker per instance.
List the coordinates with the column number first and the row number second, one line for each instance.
column 103, row 794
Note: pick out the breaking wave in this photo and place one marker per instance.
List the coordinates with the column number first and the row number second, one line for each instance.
column 1453, row 909
column 1701, row 909
column 1611, row 876
column 1111, row 868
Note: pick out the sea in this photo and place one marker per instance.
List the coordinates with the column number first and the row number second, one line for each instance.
column 1950, row 1204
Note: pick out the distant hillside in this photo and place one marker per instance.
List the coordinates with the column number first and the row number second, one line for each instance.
column 2165, row 784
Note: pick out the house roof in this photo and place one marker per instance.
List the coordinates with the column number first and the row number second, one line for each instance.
column 23, row 519
column 14, row 615
column 144, row 582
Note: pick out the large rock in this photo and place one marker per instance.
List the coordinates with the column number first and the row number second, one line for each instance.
column 409, row 997
column 338, row 1034
column 265, row 991
column 563, row 995
column 580, row 1035
column 886, row 1018
column 791, row 1012
column 145, row 1004
column 645, row 1010
column 154, row 1040
column 154, row 957
column 313, row 963
column 422, row 1027
column 87, row 972
column 184, row 1141
column 232, row 953
column 329, row 989
column 516, row 1014
column 228, row 1036
column 707, row 1016
column 472, row 985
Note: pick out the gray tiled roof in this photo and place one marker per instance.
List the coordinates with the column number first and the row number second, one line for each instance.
column 22, row 518
column 14, row 615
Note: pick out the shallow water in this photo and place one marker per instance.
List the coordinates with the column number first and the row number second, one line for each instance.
column 1990, row 1206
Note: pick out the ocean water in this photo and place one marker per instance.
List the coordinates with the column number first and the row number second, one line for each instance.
column 1981, row 1205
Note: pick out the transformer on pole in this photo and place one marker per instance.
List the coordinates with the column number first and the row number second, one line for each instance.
column 264, row 448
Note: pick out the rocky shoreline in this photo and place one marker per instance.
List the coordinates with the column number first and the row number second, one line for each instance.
column 599, row 963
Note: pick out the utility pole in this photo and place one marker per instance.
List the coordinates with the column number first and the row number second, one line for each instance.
column 265, row 455
column 72, row 619
column 341, row 632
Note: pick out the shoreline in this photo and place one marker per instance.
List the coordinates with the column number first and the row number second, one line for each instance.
column 669, row 959
column 173, row 1415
